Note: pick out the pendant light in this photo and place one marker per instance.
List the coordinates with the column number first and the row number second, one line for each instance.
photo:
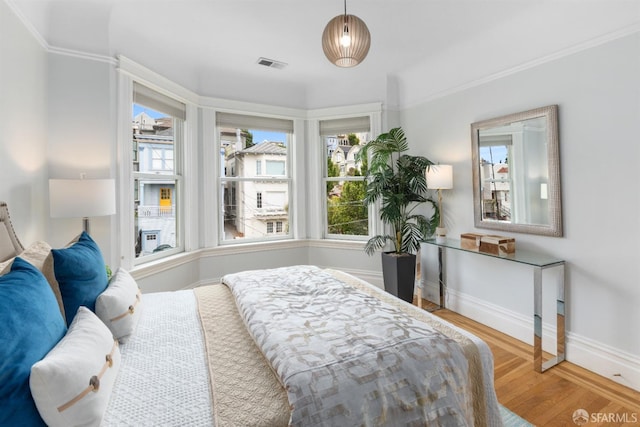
column 346, row 40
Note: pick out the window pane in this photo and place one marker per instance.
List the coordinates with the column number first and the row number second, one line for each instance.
column 155, row 216
column 275, row 168
column 155, row 181
column 153, row 141
column 346, row 212
column 253, row 202
column 248, row 211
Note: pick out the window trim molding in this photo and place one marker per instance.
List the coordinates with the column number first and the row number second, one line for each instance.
column 128, row 73
column 316, row 168
column 295, row 172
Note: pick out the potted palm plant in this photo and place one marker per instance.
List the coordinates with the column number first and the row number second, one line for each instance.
column 398, row 181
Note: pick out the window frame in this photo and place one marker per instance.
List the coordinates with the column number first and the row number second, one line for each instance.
column 287, row 178
column 160, row 178
column 315, row 171
column 371, row 210
column 130, row 74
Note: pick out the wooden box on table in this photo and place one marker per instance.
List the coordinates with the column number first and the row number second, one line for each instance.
column 497, row 245
column 470, row 241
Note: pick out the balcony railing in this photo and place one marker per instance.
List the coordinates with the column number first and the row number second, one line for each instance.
column 156, row 211
column 270, row 212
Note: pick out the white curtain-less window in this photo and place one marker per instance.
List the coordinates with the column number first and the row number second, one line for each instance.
column 157, row 141
column 346, row 215
column 255, row 181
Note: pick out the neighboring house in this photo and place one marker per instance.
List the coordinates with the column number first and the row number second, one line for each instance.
column 344, row 157
column 256, row 207
column 155, row 206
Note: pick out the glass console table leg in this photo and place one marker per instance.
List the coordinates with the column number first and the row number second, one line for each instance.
column 538, row 364
column 441, row 275
column 537, row 319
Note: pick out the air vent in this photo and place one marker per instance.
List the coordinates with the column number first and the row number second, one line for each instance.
column 271, row 63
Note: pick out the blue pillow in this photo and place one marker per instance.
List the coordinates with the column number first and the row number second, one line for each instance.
column 30, row 326
column 80, row 270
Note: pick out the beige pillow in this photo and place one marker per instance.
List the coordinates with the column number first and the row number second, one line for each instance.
column 7, row 249
column 39, row 255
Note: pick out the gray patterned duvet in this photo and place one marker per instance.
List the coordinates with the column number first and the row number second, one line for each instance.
column 348, row 358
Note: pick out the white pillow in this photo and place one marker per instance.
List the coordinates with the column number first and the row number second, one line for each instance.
column 119, row 305
column 61, row 382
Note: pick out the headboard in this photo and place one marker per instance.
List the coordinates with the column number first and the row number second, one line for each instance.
column 10, row 245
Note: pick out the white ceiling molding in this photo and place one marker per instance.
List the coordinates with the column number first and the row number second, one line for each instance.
column 412, row 101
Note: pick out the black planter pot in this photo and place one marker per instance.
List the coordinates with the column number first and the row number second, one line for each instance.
column 399, row 274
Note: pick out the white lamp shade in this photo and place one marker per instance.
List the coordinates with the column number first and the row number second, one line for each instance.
column 82, row 198
column 440, row 177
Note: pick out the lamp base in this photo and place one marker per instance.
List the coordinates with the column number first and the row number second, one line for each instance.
column 441, row 234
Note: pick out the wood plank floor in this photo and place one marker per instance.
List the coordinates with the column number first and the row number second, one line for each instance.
column 550, row 399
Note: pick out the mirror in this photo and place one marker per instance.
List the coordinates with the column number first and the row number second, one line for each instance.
column 516, row 172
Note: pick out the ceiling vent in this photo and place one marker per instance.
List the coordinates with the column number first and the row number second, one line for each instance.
column 271, row 63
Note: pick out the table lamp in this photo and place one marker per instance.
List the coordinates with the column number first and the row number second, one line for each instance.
column 440, row 177
column 82, row 198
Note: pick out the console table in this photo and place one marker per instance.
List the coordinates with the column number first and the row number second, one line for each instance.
column 539, row 262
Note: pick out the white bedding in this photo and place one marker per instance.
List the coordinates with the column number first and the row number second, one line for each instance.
column 163, row 379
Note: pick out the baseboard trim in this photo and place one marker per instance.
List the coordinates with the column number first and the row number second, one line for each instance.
column 609, row 362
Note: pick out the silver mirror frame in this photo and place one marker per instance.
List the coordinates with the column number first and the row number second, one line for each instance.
column 553, row 157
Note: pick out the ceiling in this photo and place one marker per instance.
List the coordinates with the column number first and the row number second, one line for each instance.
column 446, row 43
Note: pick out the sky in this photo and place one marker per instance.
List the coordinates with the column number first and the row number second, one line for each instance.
column 258, row 135
column 261, row 135
column 499, row 153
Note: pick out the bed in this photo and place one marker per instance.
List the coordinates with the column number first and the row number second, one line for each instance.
column 298, row 345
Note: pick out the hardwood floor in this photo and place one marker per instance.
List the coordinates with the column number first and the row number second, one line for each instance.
column 551, row 398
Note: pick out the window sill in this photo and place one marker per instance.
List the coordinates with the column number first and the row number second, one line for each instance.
column 158, row 266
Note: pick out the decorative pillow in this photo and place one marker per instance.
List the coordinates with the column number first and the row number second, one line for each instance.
column 30, row 326
column 81, row 273
column 72, row 384
column 119, row 305
column 39, row 255
column 7, row 250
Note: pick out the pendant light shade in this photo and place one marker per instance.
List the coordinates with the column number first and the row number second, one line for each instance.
column 346, row 40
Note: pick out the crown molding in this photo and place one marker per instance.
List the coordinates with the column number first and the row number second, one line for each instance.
column 589, row 44
column 83, row 55
column 28, row 25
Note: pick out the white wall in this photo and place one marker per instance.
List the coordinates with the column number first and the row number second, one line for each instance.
column 81, row 136
column 23, row 127
column 598, row 93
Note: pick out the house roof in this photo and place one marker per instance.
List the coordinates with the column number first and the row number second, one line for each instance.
column 266, row 147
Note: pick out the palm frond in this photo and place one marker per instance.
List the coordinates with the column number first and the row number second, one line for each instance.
column 377, row 242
